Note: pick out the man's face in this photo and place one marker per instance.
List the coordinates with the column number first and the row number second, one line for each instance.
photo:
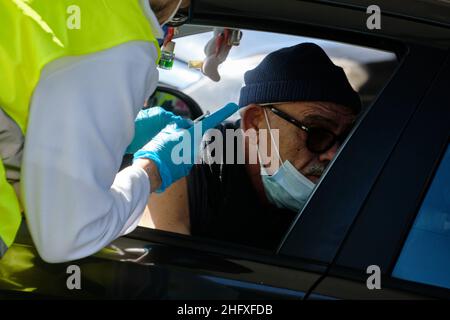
column 292, row 140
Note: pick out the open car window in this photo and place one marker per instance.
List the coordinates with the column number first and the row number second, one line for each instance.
column 367, row 69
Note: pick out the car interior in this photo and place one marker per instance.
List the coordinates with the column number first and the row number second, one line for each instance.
column 188, row 92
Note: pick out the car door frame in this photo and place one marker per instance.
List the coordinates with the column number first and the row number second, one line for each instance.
column 327, row 217
column 394, row 212
column 333, row 27
column 363, row 154
column 324, row 201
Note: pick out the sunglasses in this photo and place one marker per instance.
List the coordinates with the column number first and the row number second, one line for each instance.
column 319, row 139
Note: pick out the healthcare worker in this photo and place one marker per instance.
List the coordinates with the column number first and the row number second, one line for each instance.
column 69, row 94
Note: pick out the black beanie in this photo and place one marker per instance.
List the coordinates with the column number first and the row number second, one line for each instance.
column 299, row 73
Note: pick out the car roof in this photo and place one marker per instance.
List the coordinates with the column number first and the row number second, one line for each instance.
column 423, row 22
column 431, row 11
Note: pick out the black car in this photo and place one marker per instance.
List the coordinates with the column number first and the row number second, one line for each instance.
column 382, row 206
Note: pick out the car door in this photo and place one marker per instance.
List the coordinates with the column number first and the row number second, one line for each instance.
column 157, row 265
column 403, row 224
column 162, row 265
column 314, row 242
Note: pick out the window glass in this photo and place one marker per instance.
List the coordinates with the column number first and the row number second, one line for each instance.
column 366, row 68
column 425, row 257
column 238, row 202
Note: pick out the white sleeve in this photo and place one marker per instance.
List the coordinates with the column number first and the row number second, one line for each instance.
column 81, row 121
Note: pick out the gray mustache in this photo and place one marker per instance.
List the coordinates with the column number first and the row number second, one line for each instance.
column 315, row 170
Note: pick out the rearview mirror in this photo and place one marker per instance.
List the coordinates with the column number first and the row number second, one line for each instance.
column 175, row 101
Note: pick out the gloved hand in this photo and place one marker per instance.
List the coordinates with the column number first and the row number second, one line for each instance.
column 176, row 147
column 148, row 123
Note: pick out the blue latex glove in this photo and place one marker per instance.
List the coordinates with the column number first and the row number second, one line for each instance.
column 148, row 123
column 159, row 149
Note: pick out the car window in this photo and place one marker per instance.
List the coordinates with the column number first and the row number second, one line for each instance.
column 425, row 257
column 367, row 69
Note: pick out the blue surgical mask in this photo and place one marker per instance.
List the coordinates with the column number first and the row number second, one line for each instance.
column 287, row 187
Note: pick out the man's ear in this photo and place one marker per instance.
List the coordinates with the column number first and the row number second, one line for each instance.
column 252, row 117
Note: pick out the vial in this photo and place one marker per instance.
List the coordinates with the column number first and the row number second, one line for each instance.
column 167, row 56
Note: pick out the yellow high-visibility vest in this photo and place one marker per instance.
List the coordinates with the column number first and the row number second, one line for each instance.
column 34, row 33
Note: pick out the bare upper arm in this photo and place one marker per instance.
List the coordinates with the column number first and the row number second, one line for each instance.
column 168, row 211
